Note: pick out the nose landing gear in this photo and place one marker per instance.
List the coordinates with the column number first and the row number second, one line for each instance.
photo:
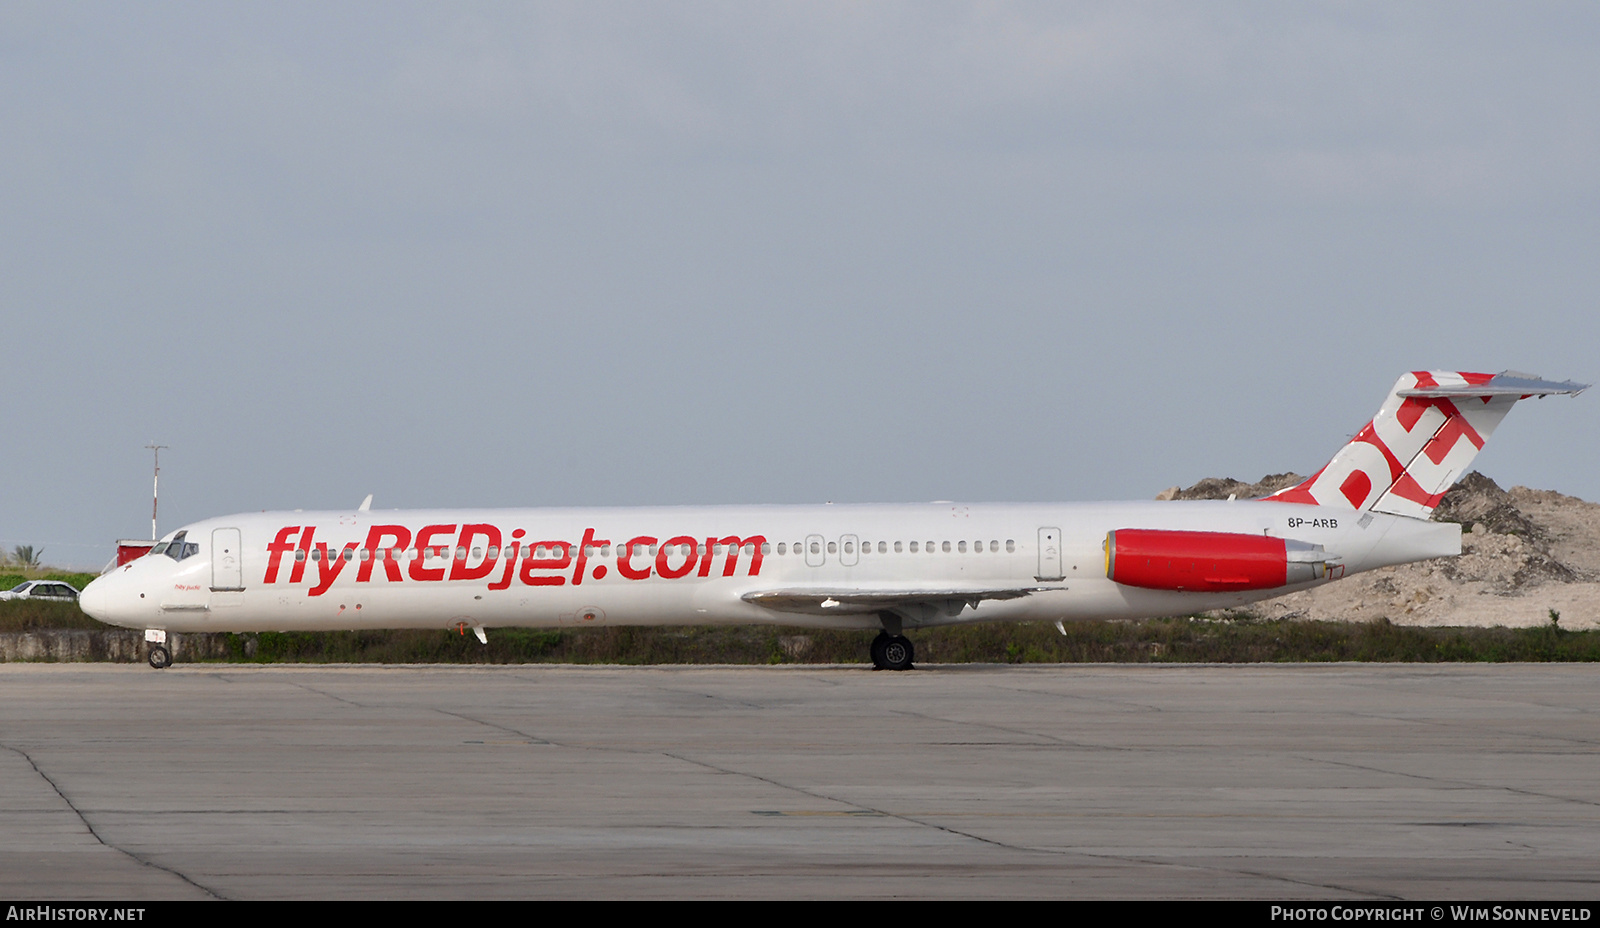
column 160, row 657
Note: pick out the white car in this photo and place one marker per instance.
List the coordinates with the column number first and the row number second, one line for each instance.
column 42, row 589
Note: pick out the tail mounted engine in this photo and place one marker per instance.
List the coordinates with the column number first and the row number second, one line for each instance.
column 1210, row 562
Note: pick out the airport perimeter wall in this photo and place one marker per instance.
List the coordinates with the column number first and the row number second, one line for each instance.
column 124, row 646
column 1185, row 640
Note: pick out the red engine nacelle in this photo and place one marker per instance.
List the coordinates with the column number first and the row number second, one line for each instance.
column 1209, row 562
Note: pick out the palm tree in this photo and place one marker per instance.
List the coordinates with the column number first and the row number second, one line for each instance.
column 26, row 558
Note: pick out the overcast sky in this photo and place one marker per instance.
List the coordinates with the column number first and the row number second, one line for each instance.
column 531, row 254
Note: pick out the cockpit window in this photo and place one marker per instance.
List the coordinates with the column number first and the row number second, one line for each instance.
column 159, row 548
column 178, row 548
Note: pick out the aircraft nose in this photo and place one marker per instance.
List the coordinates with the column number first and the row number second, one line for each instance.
column 98, row 599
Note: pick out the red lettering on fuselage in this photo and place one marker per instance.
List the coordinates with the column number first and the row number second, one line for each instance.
column 509, row 555
column 625, row 557
column 584, row 547
column 302, row 552
column 424, row 542
column 683, row 543
column 547, row 562
column 276, row 550
column 375, row 538
column 464, row 547
column 540, row 563
column 734, row 543
column 329, row 565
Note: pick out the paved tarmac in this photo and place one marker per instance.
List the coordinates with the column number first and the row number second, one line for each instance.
column 359, row 782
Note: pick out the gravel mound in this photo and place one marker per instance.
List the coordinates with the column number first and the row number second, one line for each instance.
column 1526, row 554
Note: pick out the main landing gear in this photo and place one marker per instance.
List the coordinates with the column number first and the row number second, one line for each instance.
column 892, row 652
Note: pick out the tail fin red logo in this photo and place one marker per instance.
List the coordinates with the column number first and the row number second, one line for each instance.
column 1420, row 443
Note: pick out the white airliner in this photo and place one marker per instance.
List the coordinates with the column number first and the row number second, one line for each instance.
column 892, row 567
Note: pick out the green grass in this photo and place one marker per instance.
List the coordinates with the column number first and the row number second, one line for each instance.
column 28, row 615
column 1240, row 640
column 1169, row 641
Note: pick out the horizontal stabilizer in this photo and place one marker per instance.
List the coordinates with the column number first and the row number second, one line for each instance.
column 1509, row 383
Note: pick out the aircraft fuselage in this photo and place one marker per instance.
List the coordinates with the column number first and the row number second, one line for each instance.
column 702, row 565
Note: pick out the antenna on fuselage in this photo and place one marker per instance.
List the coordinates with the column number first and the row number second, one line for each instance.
column 155, row 488
column 365, row 504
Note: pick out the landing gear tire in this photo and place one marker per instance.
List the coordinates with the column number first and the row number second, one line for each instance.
column 892, row 652
column 160, row 657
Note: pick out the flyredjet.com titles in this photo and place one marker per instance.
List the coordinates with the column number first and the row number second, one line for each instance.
column 542, row 563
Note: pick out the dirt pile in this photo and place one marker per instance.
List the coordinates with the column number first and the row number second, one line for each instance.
column 1524, row 554
column 1224, row 487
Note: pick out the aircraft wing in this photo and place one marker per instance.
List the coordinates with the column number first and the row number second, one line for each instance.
column 917, row 601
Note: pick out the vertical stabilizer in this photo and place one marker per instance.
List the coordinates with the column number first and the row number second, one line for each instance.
column 1420, row 443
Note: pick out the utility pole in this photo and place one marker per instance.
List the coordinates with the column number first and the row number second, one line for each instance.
column 155, row 489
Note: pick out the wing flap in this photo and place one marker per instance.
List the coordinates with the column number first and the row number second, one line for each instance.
column 821, row 601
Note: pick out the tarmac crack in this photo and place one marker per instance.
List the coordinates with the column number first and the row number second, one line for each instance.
column 912, row 820
column 1500, row 699
column 312, row 689
column 1451, row 725
column 851, row 803
column 1107, row 700
column 1465, row 784
column 955, row 832
column 1050, row 739
column 88, row 825
column 1061, row 852
column 505, row 728
column 226, row 678
column 737, row 702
